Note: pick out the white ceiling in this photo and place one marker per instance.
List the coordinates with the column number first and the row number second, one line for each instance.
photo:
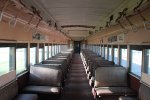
column 76, row 12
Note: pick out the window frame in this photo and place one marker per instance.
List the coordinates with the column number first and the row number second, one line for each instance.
column 24, row 46
column 12, row 57
column 140, row 48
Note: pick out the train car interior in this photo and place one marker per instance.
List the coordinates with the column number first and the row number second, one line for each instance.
column 75, row 49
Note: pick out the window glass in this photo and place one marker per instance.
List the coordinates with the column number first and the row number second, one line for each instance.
column 53, row 50
column 21, row 59
column 40, row 54
column 58, row 48
column 105, row 52
column 4, row 60
column 46, row 52
column 116, row 55
column 50, row 50
column 110, row 54
column 32, row 55
column 123, row 57
column 147, row 61
column 136, row 62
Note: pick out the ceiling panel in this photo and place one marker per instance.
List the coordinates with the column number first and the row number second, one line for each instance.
column 77, row 12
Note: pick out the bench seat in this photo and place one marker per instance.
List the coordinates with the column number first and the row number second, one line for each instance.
column 42, row 89
column 114, row 91
column 26, row 97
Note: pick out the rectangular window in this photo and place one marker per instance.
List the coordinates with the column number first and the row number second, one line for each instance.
column 136, row 62
column 100, row 50
column 147, row 61
column 106, row 53
column 58, row 48
column 123, row 57
column 115, row 55
column 4, row 60
column 103, row 51
column 41, row 54
column 110, row 54
column 50, row 51
column 21, row 60
column 53, row 50
column 46, row 52
column 32, row 55
column 7, row 59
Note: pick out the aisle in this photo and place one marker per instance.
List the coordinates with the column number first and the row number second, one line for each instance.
column 77, row 87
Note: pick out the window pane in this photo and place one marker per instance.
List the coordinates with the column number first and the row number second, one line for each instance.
column 4, row 60
column 110, row 55
column 116, row 55
column 32, row 55
column 53, row 50
column 50, row 50
column 40, row 54
column 136, row 62
column 147, row 61
column 105, row 52
column 20, row 60
column 46, row 52
column 123, row 57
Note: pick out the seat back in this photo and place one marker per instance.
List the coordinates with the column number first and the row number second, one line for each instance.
column 45, row 76
column 144, row 92
column 9, row 91
column 110, row 76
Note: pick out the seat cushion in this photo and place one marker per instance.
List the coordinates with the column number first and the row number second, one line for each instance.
column 127, row 98
column 44, row 76
column 144, row 92
column 100, row 91
column 9, row 91
column 27, row 97
column 42, row 89
column 110, row 77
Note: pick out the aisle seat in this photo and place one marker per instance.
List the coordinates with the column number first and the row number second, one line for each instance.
column 111, row 81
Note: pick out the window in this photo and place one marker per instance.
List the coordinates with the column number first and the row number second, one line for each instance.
column 21, row 60
column 4, row 60
column 41, row 50
column 116, row 55
column 7, row 59
column 103, row 51
column 100, row 50
column 136, row 62
column 53, row 50
column 106, row 53
column 50, row 51
column 147, row 61
column 110, row 54
column 123, row 57
column 58, row 48
column 46, row 52
column 32, row 55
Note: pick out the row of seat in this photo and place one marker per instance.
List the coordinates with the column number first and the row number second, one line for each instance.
column 109, row 81
column 46, row 79
column 9, row 91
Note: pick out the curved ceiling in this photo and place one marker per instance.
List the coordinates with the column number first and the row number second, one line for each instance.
column 75, row 13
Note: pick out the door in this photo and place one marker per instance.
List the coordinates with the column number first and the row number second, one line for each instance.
column 77, row 46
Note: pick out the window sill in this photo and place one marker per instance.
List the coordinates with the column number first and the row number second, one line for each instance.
column 135, row 76
column 22, row 73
